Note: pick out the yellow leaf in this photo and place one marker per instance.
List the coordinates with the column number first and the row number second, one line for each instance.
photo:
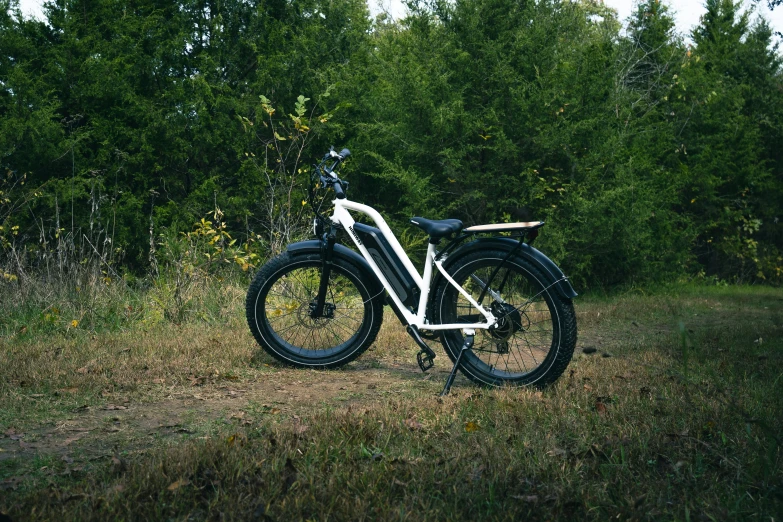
column 74, row 323
column 471, row 426
column 178, row 484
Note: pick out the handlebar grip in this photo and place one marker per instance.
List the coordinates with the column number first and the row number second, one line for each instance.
column 345, row 153
column 338, row 190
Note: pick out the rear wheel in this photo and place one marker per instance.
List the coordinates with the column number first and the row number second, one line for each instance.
column 280, row 300
column 536, row 333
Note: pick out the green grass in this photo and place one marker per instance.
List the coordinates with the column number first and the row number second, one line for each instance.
column 676, row 416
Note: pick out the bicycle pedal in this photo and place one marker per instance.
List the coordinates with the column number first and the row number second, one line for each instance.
column 426, row 360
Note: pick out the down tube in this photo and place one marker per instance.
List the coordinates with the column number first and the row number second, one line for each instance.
column 344, row 218
column 384, row 228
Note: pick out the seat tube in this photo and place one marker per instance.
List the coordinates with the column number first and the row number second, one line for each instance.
column 427, row 282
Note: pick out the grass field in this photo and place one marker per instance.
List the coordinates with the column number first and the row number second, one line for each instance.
column 675, row 415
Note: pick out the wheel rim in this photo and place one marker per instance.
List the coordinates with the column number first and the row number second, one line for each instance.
column 285, row 312
column 525, row 336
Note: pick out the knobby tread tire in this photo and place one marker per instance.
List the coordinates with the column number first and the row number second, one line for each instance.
column 272, row 271
column 555, row 362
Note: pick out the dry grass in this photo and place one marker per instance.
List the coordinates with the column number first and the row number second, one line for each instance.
column 191, row 423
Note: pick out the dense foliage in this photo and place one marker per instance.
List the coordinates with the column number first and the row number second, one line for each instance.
column 649, row 157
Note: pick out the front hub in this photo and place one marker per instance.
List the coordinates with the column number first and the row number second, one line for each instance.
column 328, row 310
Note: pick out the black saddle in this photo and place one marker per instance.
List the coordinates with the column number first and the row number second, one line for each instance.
column 438, row 228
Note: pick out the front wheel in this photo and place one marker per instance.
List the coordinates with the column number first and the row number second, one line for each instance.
column 536, row 333
column 281, row 297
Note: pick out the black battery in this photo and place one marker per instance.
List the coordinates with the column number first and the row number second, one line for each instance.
column 389, row 263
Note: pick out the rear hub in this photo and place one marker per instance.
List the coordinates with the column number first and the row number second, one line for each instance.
column 509, row 321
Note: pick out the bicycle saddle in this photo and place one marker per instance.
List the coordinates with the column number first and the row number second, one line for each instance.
column 438, row 228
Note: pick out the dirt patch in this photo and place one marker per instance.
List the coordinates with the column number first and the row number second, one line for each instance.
column 122, row 425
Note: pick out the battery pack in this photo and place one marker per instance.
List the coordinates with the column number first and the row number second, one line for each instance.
column 389, row 264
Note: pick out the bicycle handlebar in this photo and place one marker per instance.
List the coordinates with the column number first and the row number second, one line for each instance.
column 330, row 179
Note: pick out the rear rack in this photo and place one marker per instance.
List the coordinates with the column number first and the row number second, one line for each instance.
column 524, row 230
column 503, row 227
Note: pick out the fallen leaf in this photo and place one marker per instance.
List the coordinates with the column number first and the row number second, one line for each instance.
column 600, row 407
column 117, row 464
column 237, row 438
column 73, row 439
column 178, row 484
column 10, row 483
column 587, row 387
column 557, row 452
column 471, row 426
column 82, row 370
column 413, row 424
column 159, row 381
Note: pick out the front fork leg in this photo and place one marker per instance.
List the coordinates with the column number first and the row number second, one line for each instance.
column 327, row 249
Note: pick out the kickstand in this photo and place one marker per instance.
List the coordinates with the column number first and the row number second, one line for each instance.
column 465, row 347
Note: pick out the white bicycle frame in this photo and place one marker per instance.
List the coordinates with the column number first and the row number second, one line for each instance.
column 344, row 218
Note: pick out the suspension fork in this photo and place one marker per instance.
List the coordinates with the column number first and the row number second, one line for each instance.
column 327, row 251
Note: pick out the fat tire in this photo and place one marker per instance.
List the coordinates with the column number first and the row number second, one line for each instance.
column 563, row 320
column 279, row 266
